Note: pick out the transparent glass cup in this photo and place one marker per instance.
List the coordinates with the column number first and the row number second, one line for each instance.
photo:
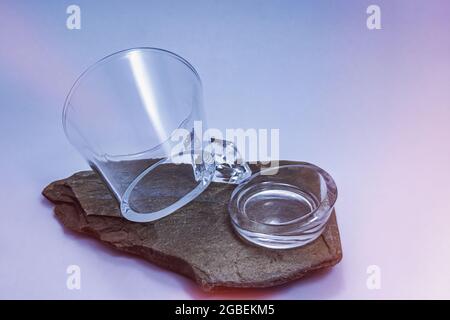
column 133, row 116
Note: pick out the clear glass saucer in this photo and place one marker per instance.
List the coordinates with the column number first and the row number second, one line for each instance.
column 283, row 207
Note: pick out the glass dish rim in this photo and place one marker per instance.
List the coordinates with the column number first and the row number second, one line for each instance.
column 326, row 205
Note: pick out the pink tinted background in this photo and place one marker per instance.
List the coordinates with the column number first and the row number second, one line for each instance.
column 370, row 107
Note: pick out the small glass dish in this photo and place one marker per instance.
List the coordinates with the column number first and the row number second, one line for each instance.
column 283, row 207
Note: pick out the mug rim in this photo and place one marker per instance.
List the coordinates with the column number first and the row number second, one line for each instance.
column 108, row 58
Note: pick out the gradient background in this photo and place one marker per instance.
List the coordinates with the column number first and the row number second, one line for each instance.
column 372, row 107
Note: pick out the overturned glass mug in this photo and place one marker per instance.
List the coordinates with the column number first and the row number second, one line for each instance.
column 132, row 115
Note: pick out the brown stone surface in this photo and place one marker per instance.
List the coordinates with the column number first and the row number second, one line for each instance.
column 197, row 240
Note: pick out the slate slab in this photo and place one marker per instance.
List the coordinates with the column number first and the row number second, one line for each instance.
column 197, row 240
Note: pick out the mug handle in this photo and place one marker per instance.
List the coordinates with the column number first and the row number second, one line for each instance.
column 229, row 165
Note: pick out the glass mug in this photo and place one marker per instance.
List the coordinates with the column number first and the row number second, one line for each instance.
column 132, row 115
